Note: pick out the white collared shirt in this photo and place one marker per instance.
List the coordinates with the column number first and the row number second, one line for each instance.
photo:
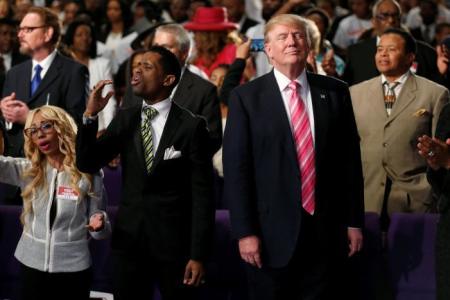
column 45, row 64
column 305, row 93
column 402, row 79
column 7, row 60
column 159, row 121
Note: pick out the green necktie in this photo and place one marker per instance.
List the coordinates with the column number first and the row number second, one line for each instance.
column 147, row 138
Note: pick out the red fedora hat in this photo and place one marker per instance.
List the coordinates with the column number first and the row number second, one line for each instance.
column 210, row 19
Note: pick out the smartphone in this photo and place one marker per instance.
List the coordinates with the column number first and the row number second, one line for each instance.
column 257, row 45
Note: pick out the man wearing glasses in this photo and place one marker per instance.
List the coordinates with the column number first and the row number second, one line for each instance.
column 47, row 78
column 361, row 56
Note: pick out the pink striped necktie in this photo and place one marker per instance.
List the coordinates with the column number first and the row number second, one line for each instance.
column 304, row 146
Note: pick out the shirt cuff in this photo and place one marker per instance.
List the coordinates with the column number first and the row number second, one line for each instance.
column 87, row 120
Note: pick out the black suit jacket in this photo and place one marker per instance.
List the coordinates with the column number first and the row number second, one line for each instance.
column 440, row 179
column 198, row 96
column 172, row 207
column 65, row 85
column 361, row 66
column 262, row 176
column 16, row 58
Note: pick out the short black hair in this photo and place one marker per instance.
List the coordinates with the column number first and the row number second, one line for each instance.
column 410, row 42
column 70, row 34
column 169, row 62
column 152, row 10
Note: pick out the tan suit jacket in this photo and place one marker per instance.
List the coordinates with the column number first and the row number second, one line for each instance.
column 388, row 143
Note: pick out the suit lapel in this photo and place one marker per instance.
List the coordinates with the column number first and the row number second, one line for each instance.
column 276, row 112
column 375, row 97
column 406, row 96
column 51, row 75
column 170, row 128
column 135, row 117
column 320, row 99
column 184, row 86
column 27, row 81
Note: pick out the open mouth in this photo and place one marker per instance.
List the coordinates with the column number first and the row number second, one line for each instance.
column 44, row 146
column 383, row 62
column 135, row 80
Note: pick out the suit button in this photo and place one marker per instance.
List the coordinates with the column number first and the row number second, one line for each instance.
column 385, row 145
column 382, row 183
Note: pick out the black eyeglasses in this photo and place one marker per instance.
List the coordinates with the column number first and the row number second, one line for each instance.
column 385, row 16
column 32, row 132
column 30, row 29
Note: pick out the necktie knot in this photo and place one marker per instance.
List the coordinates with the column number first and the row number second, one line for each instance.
column 150, row 112
column 392, row 85
column 294, row 86
column 38, row 70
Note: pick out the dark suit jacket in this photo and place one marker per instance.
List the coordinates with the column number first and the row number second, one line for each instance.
column 440, row 182
column 172, row 207
column 16, row 58
column 198, row 96
column 361, row 66
column 65, row 85
column 440, row 179
column 262, row 176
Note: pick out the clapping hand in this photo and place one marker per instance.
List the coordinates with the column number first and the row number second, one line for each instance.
column 14, row 110
column 435, row 151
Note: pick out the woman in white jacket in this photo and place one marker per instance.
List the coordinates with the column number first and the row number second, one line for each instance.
column 81, row 42
column 61, row 205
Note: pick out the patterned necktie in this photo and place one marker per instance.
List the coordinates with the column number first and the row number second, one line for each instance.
column 36, row 79
column 389, row 96
column 305, row 147
column 147, row 137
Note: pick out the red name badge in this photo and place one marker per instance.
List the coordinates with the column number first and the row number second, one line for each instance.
column 68, row 193
column 414, row 67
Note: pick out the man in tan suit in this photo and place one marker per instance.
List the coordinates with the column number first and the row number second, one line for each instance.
column 392, row 110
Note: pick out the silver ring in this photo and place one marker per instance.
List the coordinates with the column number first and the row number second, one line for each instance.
column 431, row 153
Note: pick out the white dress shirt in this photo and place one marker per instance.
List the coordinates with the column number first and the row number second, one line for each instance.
column 7, row 60
column 402, row 79
column 45, row 64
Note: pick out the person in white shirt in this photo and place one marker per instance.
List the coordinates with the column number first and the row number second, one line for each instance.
column 354, row 25
column 80, row 38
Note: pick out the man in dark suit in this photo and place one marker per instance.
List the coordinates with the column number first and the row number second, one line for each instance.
column 165, row 220
column 292, row 173
column 192, row 92
column 61, row 81
column 361, row 56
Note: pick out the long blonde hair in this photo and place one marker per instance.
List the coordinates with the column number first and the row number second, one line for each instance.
column 66, row 130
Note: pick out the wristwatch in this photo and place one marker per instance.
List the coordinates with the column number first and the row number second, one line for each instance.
column 89, row 119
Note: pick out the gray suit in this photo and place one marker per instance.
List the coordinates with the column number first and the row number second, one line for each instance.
column 388, row 143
